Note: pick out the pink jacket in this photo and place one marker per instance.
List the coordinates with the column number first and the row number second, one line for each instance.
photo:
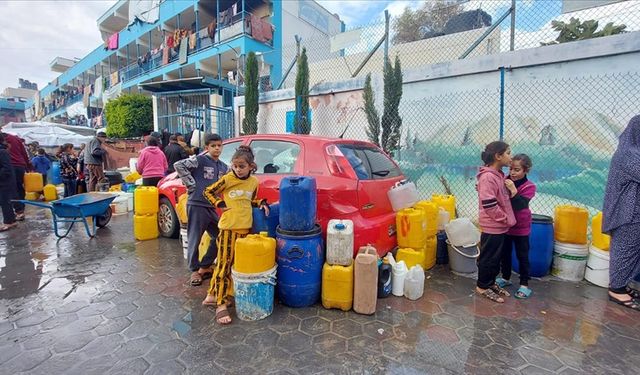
column 152, row 162
column 496, row 214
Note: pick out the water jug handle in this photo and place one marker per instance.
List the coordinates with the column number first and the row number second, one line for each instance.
column 299, row 253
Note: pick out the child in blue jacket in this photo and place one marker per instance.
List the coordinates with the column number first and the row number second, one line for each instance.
column 41, row 164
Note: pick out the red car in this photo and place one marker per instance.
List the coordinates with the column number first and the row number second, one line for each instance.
column 352, row 178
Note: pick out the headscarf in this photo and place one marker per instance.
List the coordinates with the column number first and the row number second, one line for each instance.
column 622, row 194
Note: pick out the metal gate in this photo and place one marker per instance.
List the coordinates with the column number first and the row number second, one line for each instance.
column 185, row 111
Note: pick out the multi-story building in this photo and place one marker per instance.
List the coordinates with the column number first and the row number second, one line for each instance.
column 187, row 53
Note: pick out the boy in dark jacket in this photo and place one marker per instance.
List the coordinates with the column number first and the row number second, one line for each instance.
column 174, row 152
column 197, row 173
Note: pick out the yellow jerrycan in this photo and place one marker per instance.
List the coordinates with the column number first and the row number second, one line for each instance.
column 599, row 239
column 431, row 216
column 145, row 227
column 570, row 224
column 411, row 228
column 50, row 192
column 410, row 256
column 448, row 202
column 145, row 200
column 33, row 182
column 256, row 253
column 430, row 253
column 181, row 209
column 337, row 286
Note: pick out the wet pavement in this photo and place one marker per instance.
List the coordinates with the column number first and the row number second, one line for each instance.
column 114, row 305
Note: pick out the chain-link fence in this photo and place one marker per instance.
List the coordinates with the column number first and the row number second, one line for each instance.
column 447, row 30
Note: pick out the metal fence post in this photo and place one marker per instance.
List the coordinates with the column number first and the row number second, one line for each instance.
column 512, row 41
column 501, row 103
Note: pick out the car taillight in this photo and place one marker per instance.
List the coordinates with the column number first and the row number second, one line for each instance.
column 338, row 164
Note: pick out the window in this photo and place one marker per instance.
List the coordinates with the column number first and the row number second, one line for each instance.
column 275, row 156
column 369, row 163
column 228, row 150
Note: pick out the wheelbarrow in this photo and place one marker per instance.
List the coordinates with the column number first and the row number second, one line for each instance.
column 78, row 209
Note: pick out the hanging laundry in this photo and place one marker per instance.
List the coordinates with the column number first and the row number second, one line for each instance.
column 112, row 42
column 193, row 38
column 182, row 55
column 97, row 87
column 114, row 78
column 165, row 55
column 169, row 41
column 211, row 29
column 225, row 18
column 86, row 96
column 234, row 7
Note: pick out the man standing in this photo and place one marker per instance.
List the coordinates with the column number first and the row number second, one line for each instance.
column 93, row 158
column 20, row 163
column 174, row 152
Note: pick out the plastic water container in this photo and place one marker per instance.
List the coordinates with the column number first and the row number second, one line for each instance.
column 129, row 197
column 337, row 287
column 146, row 200
column 447, row 202
column 254, row 294
column 56, row 177
column 411, row 227
column 255, row 253
column 403, row 195
column 340, row 242
column 598, row 239
column 300, row 257
column 384, row 279
column 398, row 274
column 181, row 209
column 597, row 271
column 264, row 223
column 145, row 227
column 540, row 247
column 133, row 163
column 365, row 288
column 569, row 261
column 33, row 182
column 442, row 253
column 50, row 192
column 431, row 216
column 443, row 218
column 31, row 196
column 132, row 177
column 571, row 224
column 462, row 232
column 414, row 283
column 120, row 205
column 430, row 253
column 411, row 257
column 298, row 203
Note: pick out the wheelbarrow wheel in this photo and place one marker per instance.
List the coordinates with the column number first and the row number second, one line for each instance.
column 102, row 221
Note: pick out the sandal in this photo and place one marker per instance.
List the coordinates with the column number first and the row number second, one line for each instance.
column 503, row 282
column 207, row 303
column 206, row 275
column 634, row 293
column 633, row 303
column 224, row 313
column 6, row 227
column 498, row 290
column 20, row 216
column 491, row 295
column 523, row 292
column 196, row 279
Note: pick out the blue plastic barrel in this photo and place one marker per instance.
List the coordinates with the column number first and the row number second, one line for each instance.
column 442, row 252
column 264, row 223
column 298, row 203
column 300, row 256
column 55, row 177
column 540, row 247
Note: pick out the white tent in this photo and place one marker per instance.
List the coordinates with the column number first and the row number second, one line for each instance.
column 47, row 134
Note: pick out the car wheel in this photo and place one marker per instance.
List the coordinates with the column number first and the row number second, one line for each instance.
column 167, row 219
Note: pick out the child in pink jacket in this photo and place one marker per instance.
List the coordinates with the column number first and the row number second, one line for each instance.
column 496, row 218
column 522, row 191
column 152, row 163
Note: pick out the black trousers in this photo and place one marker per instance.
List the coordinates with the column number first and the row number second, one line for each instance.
column 201, row 219
column 151, row 181
column 522, row 253
column 491, row 246
column 18, row 207
column 6, row 195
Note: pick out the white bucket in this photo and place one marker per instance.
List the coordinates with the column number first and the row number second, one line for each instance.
column 185, row 243
column 121, row 205
column 597, row 271
column 398, row 274
column 569, row 261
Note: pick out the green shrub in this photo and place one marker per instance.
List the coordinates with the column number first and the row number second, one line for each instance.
column 130, row 115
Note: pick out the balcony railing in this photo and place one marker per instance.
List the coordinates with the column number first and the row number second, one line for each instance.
column 234, row 29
